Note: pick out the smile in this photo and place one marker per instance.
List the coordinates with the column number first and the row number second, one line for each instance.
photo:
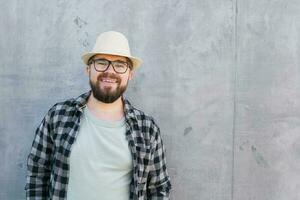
column 108, row 80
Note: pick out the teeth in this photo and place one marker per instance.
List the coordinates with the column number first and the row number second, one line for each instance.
column 109, row 80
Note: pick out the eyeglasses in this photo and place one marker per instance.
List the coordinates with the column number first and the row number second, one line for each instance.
column 101, row 65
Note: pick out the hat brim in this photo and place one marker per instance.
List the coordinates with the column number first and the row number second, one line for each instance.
column 136, row 62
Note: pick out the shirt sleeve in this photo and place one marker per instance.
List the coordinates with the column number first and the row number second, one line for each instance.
column 159, row 184
column 39, row 162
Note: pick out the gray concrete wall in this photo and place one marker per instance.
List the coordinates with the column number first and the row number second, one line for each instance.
column 221, row 77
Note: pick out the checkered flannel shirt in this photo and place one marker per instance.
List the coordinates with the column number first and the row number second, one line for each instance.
column 48, row 161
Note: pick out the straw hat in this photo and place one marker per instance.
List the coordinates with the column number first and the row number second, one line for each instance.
column 113, row 43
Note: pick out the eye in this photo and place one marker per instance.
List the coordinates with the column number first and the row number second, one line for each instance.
column 120, row 64
column 101, row 62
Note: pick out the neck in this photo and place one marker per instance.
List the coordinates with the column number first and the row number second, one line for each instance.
column 106, row 111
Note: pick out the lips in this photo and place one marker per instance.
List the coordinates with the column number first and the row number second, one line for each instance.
column 108, row 80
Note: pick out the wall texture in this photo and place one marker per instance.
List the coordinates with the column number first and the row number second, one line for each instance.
column 221, row 77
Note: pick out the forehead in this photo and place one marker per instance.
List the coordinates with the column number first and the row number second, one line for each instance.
column 110, row 57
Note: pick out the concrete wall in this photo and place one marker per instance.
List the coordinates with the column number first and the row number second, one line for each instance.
column 221, row 77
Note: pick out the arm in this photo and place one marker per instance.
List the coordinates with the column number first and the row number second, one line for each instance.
column 159, row 184
column 39, row 163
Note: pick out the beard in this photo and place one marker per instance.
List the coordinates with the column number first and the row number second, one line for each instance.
column 107, row 95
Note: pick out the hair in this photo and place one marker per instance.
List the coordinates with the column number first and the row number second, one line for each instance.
column 130, row 63
column 90, row 60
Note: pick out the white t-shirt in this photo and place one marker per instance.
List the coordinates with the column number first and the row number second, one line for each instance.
column 100, row 161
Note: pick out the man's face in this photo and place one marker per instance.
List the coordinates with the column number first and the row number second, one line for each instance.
column 108, row 86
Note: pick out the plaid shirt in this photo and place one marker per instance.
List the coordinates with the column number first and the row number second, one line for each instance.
column 48, row 161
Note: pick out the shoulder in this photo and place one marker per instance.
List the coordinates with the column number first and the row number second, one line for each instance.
column 146, row 123
column 62, row 107
column 131, row 112
column 142, row 116
column 68, row 106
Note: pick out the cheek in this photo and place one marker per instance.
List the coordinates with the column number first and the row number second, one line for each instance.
column 93, row 76
column 124, row 80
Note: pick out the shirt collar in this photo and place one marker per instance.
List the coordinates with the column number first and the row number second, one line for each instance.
column 130, row 115
column 81, row 101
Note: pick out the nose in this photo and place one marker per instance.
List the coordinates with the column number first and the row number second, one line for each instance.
column 110, row 68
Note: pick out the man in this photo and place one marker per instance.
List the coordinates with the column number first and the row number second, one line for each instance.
column 98, row 146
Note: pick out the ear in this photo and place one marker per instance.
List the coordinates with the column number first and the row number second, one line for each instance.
column 131, row 74
column 87, row 70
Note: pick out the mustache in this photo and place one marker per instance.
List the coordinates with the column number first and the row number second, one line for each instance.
column 108, row 75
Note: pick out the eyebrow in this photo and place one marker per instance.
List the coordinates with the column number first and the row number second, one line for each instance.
column 110, row 60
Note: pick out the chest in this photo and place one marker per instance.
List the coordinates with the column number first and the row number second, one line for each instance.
column 102, row 144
